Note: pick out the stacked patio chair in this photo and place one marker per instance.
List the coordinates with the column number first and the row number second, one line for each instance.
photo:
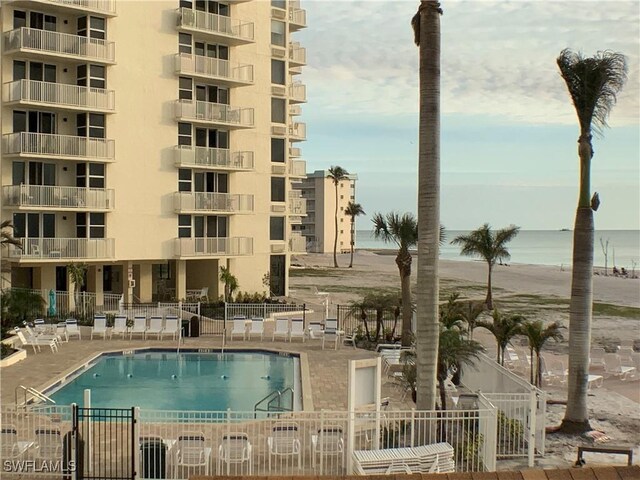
column 434, row 458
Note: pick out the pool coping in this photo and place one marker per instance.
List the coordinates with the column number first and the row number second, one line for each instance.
column 73, row 372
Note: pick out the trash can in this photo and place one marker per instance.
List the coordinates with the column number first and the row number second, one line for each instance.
column 153, row 453
column 185, row 328
column 194, row 327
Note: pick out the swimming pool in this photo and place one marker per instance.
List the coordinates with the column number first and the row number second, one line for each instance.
column 164, row 380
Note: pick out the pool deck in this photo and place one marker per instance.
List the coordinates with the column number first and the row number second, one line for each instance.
column 326, row 369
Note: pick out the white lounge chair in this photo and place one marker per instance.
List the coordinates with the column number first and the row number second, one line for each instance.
column 596, row 357
column 171, row 327
column 553, row 371
column 139, row 327
column 235, row 449
column 30, row 333
column 35, row 342
column 613, row 366
column 155, row 326
column 315, row 331
column 331, row 333
column 297, row 329
column 119, row 326
column 257, row 327
column 99, row 326
column 626, row 356
column 239, row 327
column 73, row 328
column 48, row 444
column 10, row 446
column 190, row 452
column 284, row 442
column 39, row 325
column 326, row 443
column 281, row 329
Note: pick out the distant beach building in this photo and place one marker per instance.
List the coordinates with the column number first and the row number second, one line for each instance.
column 318, row 226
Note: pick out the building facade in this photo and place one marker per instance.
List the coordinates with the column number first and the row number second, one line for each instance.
column 318, row 227
column 155, row 141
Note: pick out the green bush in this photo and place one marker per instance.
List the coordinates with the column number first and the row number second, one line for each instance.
column 6, row 350
column 19, row 306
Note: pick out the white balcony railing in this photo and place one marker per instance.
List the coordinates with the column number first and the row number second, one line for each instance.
column 298, row 131
column 219, row 158
column 59, row 94
column 106, row 7
column 60, row 44
column 297, row 92
column 295, row 152
column 233, row 30
column 51, row 196
column 216, row 113
column 297, row 206
column 213, row 202
column 214, row 68
column 297, row 168
column 297, row 243
column 297, row 54
column 61, row 146
column 221, row 246
column 297, row 16
column 68, row 248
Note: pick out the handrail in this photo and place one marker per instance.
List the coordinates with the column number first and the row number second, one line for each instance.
column 270, row 398
column 33, row 392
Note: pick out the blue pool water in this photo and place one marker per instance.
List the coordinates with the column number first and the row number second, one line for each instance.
column 184, row 381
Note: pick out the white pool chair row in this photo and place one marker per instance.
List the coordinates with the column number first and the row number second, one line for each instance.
column 157, row 326
column 46, row 446
column 254, row 328
column 37, row 342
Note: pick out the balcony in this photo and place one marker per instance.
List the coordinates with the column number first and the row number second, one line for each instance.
column 297, row 204
column 214, row 69
column 213, row 159
column 295, row 152
column 214, row 247
column 297, row 92
column 55, row 249
column 209, row 113
column 47, row 145
column 102, row 7
column 43, row 43
column 58, row 95
column 298, row 132
column 295, row 110
column 297, row 55
column 25, row 197
column 194, row 202
column 297, row 168
column 297, row 243
column 216, row 27
column 297, row 16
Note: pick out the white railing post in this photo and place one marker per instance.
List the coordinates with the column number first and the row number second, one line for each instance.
column 533, row 413
column 88, row 450
column 413, row 426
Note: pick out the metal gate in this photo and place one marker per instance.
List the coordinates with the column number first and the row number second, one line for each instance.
column 105, row 448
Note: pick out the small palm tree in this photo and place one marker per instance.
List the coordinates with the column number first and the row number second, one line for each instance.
column 504, row 328
column 230, row 283
column 353, row 210
column 593, row 84
column 7, row 238
column 403, row 231
column 538, row 335
column 469, row 312
column 77, row 273
column 488, row 245
column 450, row 313
column 336, row 174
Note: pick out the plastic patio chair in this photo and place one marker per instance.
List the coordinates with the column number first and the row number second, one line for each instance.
column 235, row 448
column 99, row 326
column 281, row 330
column 297, row 329
column 257, row 327
column 73, row 328
column 284, row 442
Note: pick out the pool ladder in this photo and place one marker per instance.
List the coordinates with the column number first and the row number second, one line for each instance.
column 274, row 402
column 32, row 391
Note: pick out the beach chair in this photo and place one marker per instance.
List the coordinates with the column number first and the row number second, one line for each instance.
column 73, row 328
column 48, row 444
column 327, row 444
column 554, row 371
column 119, row 326
column 297, row 329
column 613, row 367
column 191, row 452
column 281, row 329
column 315, row 331
column 10, row 446
column 39, row 326
column 284, row 443
column 625, row 354
column 596, row 357
column 155, row 326
column 171, row 327
column 99, row 326
column 239, row 325
column 235, row 449
column 41, row 336
column 257, row 327
column 139, row 327
column 331, row 333
column 61, row 331
column 35, row 342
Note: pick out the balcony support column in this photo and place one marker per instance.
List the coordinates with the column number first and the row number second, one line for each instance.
column 144, row 283
column 181, row 279
column 95, row 283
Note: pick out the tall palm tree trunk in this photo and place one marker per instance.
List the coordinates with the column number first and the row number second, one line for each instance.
column 403, row 260
column 489, row 300
column 335, row 237
column 352, row 235
column 428, row 205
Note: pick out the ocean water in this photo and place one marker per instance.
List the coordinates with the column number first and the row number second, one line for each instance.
column 540, row 247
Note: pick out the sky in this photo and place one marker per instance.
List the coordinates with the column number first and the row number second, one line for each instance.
column 508, row 128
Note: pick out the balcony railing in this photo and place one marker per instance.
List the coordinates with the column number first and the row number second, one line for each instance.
column 60, row 44
column 50, row 196
column 221, row 246
column 212, row 202
column 297, row 92
column 297, row 16
column 295, row 152
column 215, row 158
column 297, row 243
column 57, row 146
column 232, row 31
column 297, row 205
column 105, row 7
column 66, row 248
column 298, row 131
column 297, row 168
column 33, row 92
column 215, row 113
column 297, row 54
column 214, row 68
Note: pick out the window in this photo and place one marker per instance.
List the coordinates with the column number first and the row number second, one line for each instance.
column 18, row 173
column 184, row 89
column 19, row 19
column 92, row 27
column 42, row 173
column 184, row 134
column 36, row 122
column 211, row 226
column 184, row 180
column 211, row 182
column 96, row 175
column 277, row 149
column 211, row 50
column 211, row 6
column 276, row 228
column 186, row 3
column 97, row 76
column 278, row 33
column 212, row 138
column 277, row 72
column 277, row 189
column 95, row 227
column 184, row 226
column 184, row 43
column 37, row 20
column 93, row 123
column 279, row 4
column 34, row 71
column 211, row 93
column 278, row 107
column 34, row 225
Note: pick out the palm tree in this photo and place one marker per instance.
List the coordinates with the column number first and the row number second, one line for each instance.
column 7, row 238
column 469, row 312
column 353, row 210
column 504, row 328
column 450, row 314
column 403, row 231
column 77, row 273
column 593, row 85
column 488, row 245
column 337, row 174
column 230, row 282
column 538, row 335
column 426, row 28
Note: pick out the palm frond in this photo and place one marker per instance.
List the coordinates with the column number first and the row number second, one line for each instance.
column 337, row 173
